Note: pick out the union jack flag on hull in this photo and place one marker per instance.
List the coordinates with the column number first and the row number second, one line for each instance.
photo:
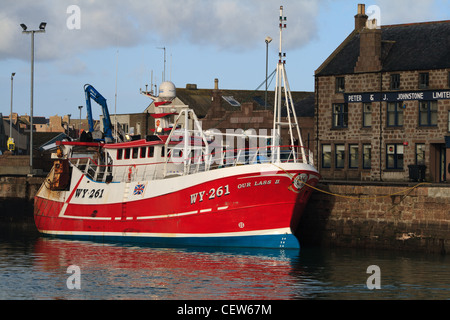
column 139, row 189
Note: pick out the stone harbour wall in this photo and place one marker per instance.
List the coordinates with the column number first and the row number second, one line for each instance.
column 17, row 197
column 400, row 217
column 358, row 215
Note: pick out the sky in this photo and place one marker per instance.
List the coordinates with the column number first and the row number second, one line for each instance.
column 116, row 46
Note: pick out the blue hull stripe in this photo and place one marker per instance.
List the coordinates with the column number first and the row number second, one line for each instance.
column 279, row 241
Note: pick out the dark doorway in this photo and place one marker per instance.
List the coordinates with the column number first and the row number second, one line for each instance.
column 438, row 161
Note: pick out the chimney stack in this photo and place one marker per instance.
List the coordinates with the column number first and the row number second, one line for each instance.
column 361, row 17
column 369, row 59
column 216, row 102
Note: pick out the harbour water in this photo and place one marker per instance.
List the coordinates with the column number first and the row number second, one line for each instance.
column 33, row 267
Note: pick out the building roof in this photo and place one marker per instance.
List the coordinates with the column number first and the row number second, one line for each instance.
column 405, row 47
column 200, row 100
column 36, row 120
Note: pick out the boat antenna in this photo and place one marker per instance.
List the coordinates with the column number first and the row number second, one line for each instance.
column 164, row 74
column 282, row 87
column 115, row 94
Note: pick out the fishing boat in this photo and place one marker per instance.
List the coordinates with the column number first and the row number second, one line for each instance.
column 181, row 185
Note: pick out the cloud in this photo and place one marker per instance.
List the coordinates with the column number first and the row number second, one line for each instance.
column 407, row 11
column 232, row 25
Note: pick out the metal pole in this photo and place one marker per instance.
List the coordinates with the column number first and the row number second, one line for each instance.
column 79, row 128
column 267, row 66
column 41, row 30
column 268, row 40
column 31, row 103
column 10, row 114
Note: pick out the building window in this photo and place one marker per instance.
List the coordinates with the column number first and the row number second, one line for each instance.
column 428, row 113
column 340, row 84
column 354, row 156
column 424, row 80
column 420, row 154
column 395, row 81
column 339, row 156
column 367, row 156
column 394, row 156
column 367, row 115
column 395, row 114
column 340, row 115
column 326, row 156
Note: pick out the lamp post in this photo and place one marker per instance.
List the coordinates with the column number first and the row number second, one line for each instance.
column 10, row 114
column 32, row 32
column 79, row 128
column 268, row 40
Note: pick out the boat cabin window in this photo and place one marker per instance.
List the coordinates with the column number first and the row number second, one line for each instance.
column 162, row 152
column 143, row 151
column 151, row 151
column 127, row 153
column 135, row 153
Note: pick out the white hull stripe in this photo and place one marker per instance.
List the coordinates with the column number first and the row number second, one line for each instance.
column 165, row 216
column 171, row 235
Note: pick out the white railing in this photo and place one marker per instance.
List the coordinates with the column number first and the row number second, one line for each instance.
column 177, row 166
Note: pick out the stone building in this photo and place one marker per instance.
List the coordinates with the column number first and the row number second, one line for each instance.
column 383, row 103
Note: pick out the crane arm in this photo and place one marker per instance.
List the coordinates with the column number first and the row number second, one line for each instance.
column 92, row 93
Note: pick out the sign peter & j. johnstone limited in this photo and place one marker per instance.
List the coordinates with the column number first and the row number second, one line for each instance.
column 397, row 96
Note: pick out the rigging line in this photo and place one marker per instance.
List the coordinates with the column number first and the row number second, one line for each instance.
column 271, row 77
column 354, row 197
column 268, row 77
column 367, row 198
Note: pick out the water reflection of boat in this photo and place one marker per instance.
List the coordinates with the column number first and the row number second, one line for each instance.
column 118, row 271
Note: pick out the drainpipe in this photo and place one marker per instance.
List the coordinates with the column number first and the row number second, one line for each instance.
column 316, row 82
column 381, row 123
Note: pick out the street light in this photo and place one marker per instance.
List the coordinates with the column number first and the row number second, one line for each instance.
column 32, row 32
column 79, row 129
column 10, row 114
column 268, row 40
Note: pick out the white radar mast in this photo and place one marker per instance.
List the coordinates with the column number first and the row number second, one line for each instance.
column 282, row 88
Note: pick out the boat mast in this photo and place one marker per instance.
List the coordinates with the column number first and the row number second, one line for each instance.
column 282, row 87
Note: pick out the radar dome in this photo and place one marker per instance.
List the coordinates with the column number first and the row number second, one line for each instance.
column 167, row 90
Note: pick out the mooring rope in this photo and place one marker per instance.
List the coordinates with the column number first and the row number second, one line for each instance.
column 366, row 198
column 355, row 197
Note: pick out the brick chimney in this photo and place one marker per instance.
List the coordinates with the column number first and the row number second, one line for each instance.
column 369, row 59
column 361, row 17
column 216, row 110
column 216, row 84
